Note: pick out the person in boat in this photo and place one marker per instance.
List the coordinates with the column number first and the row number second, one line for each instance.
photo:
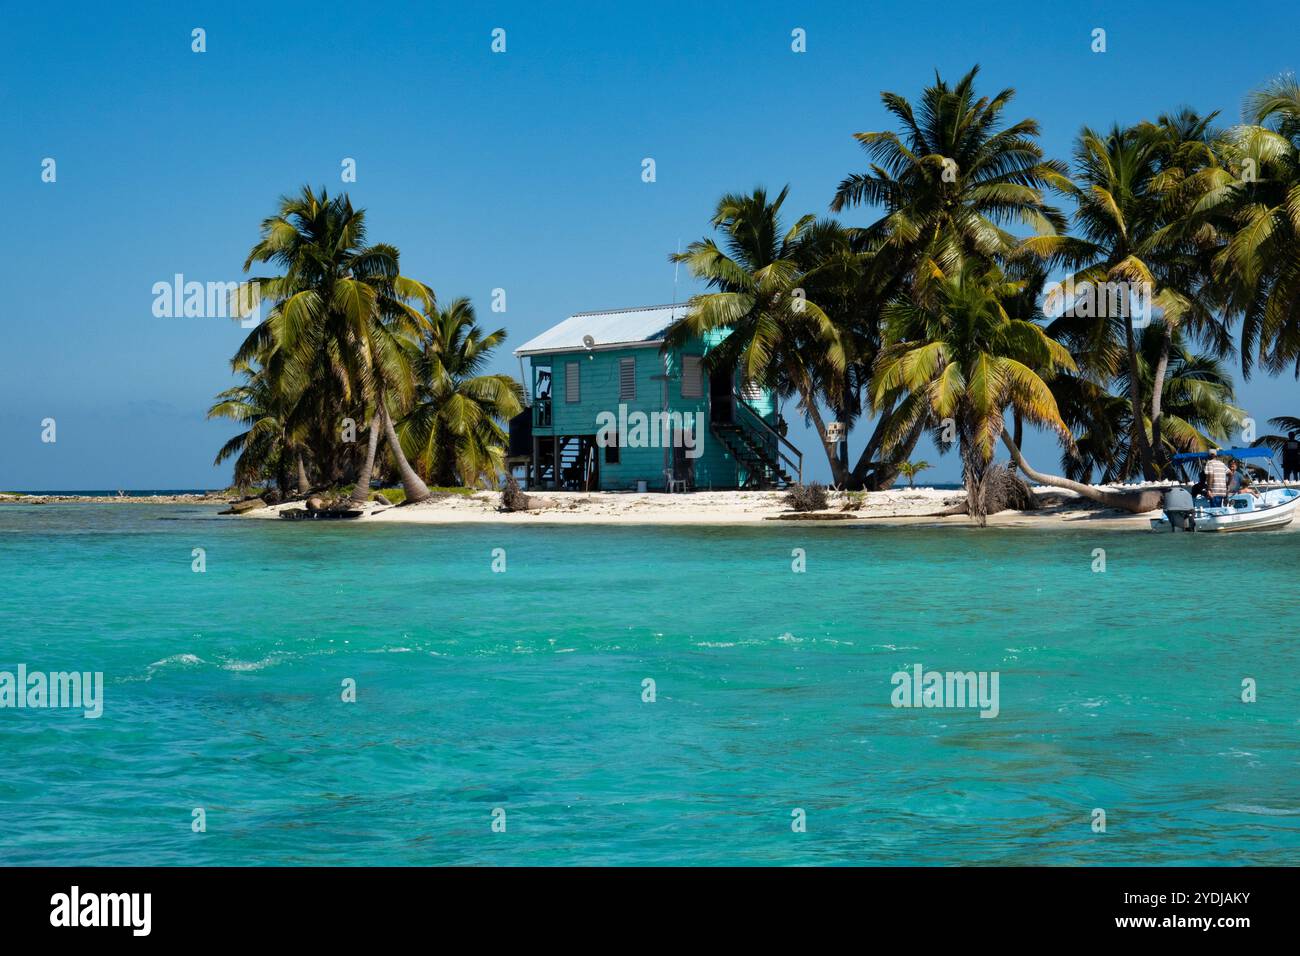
column 1235, row 474
column 1216, row 479
column 1246, row 488
column 1291, row 458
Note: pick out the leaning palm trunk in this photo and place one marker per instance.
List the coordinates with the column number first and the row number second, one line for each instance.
column 361, row 491
column 839, row 475
column 1018, row 430
column 880, row 475
column 1138, row 501
column 888, row 470
column 1157, row 393
column 1135, row 403
column 858, row 478
column 416, row 489
column 304, row 486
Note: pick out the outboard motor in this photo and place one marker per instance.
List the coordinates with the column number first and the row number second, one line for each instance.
column 1179, row 509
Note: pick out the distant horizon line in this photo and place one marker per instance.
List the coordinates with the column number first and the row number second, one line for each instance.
column 109, row 491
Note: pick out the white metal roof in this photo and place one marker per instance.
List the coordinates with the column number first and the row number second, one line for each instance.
column 618, row 328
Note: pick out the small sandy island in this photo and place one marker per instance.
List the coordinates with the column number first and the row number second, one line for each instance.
column 900, row 506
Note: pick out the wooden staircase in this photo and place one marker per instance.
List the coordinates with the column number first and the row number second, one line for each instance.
column 758, row 448
column 570, row 465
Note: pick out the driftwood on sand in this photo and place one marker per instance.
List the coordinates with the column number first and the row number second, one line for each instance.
column 245, row 506
column 513, row 499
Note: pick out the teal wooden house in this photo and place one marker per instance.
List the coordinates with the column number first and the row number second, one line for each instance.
column 612, row 409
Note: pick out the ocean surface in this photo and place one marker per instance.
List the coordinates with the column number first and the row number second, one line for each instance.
column 109, row 493
column 518, row 696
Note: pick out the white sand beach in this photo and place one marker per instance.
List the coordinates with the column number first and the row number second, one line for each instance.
column 899, row 506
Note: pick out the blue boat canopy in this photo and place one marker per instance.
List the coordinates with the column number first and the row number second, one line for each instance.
column 1226, row 453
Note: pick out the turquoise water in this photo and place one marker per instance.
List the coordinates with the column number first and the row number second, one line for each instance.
column 523, row 691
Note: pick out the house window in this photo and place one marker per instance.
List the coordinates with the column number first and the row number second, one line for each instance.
column 542, row 396
column 572, row 391
column 692, row 376
column 627, row 379
column 611, row 450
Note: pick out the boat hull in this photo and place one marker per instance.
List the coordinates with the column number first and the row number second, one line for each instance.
column 1256, row 521
column 1271, row 517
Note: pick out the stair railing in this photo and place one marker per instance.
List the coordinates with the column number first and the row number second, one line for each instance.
column 753, row 418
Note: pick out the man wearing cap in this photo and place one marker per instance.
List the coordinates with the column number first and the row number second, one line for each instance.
column 1216, row 480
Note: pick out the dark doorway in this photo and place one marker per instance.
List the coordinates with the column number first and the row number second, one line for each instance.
column 722, row 399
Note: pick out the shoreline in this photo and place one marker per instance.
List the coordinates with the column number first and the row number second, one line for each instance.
column 898, row 508
column 908, row 507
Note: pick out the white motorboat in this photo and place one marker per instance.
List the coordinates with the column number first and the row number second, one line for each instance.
column 1272, row 509
column 1268, row 509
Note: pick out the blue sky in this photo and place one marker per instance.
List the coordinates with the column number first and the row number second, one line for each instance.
column 518, row 170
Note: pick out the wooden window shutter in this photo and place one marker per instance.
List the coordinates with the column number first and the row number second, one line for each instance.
column 692, row 376
column 627, row 379
column 572, row 388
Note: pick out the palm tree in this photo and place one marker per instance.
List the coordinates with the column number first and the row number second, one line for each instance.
column 265, row 448
column 776, row 333
column 1260, row 194
column 958, row 356
column 910, row 469
column 1197, row 404
column 1187, row 164
column 396, row 323
column 1143, row 236
column 951, row 181
column 339, row 312
column 453, row 430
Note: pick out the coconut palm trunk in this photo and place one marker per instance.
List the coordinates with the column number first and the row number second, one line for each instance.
column 416, row 489
column 304, row 485
column 1139, row 430
column 839, row 474
column 1017, row 431
column 974, row 467
column 444, row 469
column 1139, row 501
column 889, row 469
column 858, row 478
column 361, row 491
column 880, row 475
column 1157, row 392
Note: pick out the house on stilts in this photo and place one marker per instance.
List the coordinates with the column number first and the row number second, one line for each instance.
column 611, row 409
